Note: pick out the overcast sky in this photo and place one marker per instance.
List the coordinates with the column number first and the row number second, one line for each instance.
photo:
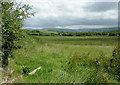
column 51, row 13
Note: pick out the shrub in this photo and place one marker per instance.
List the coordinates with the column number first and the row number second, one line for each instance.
column 12, row 17
column 115, row 62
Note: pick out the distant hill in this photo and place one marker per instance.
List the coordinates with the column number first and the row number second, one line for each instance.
column 46, row 31
column 75, row 28
column 82, row 30
column 71, row 32
column 40, row 32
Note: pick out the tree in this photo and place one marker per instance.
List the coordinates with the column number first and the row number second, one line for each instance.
column 13, row 15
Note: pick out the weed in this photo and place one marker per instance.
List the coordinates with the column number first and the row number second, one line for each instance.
column 26, row 70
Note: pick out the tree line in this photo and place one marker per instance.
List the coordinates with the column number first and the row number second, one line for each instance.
column 106, row 33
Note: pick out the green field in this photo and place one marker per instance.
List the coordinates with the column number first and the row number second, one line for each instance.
column 63, row 59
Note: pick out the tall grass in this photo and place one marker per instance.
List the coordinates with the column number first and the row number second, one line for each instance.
column 62, row 62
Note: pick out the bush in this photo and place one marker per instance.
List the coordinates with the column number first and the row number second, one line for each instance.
column 12, row 17
column 115, row 62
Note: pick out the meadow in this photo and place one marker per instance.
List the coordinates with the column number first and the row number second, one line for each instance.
column 63, row 59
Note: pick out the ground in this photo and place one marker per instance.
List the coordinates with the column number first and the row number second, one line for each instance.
column 63, row 59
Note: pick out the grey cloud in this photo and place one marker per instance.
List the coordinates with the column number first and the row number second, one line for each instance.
column 101, row 6
column 65, row 21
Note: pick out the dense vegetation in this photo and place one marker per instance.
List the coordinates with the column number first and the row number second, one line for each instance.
column 64, row 59
column 12, row 17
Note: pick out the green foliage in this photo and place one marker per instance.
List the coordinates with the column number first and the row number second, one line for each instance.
column 13, row 15
column 115, row 62
column 73, row 63
column 111, row 65
column 26, row 70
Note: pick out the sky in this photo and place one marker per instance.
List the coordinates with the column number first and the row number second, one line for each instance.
column 57, row 13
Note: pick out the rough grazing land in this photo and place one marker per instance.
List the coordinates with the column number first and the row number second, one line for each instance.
column 63, row 60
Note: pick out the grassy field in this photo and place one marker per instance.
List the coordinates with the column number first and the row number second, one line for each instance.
column 63, row 60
